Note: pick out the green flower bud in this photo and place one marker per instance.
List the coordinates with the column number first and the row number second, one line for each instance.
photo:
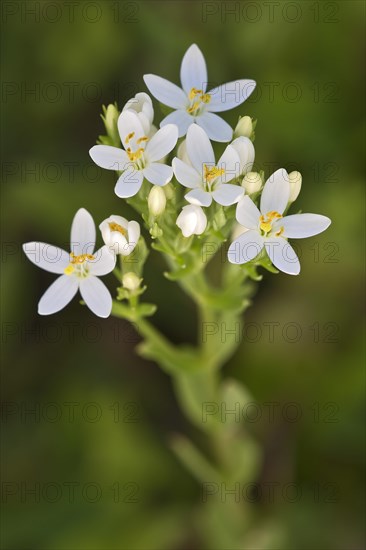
column 110, row 117
column 244, row 127
column 131, row 281
column 156, row 200
column 295, row 180
column 252, row 183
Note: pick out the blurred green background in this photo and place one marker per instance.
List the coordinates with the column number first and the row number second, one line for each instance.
column 95, row 450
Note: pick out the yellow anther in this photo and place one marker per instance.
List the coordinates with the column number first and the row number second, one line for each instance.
column 193, row 107
column 267, row 220
column 129, row 137
column 136, row 155
column 116, row 227
column 193, row 93
column 212, row 173
column 69, row 269
column 280, row 232
column 142, row 139
column 205, row 98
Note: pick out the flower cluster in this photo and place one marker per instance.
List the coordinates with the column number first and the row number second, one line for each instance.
column 193, row 193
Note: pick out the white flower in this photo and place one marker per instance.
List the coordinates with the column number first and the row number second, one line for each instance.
column 245, row 149
column 268, row 228
column 80, row 269
column 192, row 220
column 206, row 178
column 141, row 155
column 156, row 201
column 143, row 106
column 119, row 235
column 193, row 103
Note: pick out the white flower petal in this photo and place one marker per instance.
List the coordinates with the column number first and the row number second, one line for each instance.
column 282, row 255
column 165, row 91
column 199, row 148
column 108, row 157
column 230, row 95
column 276, row 193
column 216, row 128
column 129, row 183
column 199, row 197
column 230, row 162
column 162, row 143
column 181, row 119
column 96, row 296
column 158, row 174
column 105, row 262
column 299, row 226
column 134, row 232
column 245, row 248
column 227, row 194
column 129, row 124
column 247, row 214
column 193, row 71
column 245, row 149
column 82, row 233
column 47, row 257
column 58, row 295
column 186, row 174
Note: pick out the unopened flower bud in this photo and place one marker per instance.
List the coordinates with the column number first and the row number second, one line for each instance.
column 156, row 200
column 192, row 220
column 295, row 180
column 252, row 183
column 131, row 281
column 110, row 119
column 244, row 127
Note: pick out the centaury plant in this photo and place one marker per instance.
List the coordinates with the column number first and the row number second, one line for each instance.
column 192, row 206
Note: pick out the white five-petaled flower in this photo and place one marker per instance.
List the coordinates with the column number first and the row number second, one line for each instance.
column 141, row 155
column 207, row 179
column 268, row 227
column 192, row 220
column 78, row 270
column 120, row 235
column 193, row 104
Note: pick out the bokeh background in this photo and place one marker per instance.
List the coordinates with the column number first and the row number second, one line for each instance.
column 94, row 451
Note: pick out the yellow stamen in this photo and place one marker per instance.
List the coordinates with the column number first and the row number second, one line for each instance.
column 198, row 97
column 133, row 156
column 141, row 139
column 129, row 137
column 193, row 107
column 193, row 93
column 280, row 232
column 116, row 227
column 267, row 220
column 212, row 173
column 77, row 260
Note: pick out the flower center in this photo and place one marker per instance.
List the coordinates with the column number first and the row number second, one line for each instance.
column 76, row 266
column 135, row 155
column 116, row 227
column 197, row 100
column 211, row 173
column 265, row 222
